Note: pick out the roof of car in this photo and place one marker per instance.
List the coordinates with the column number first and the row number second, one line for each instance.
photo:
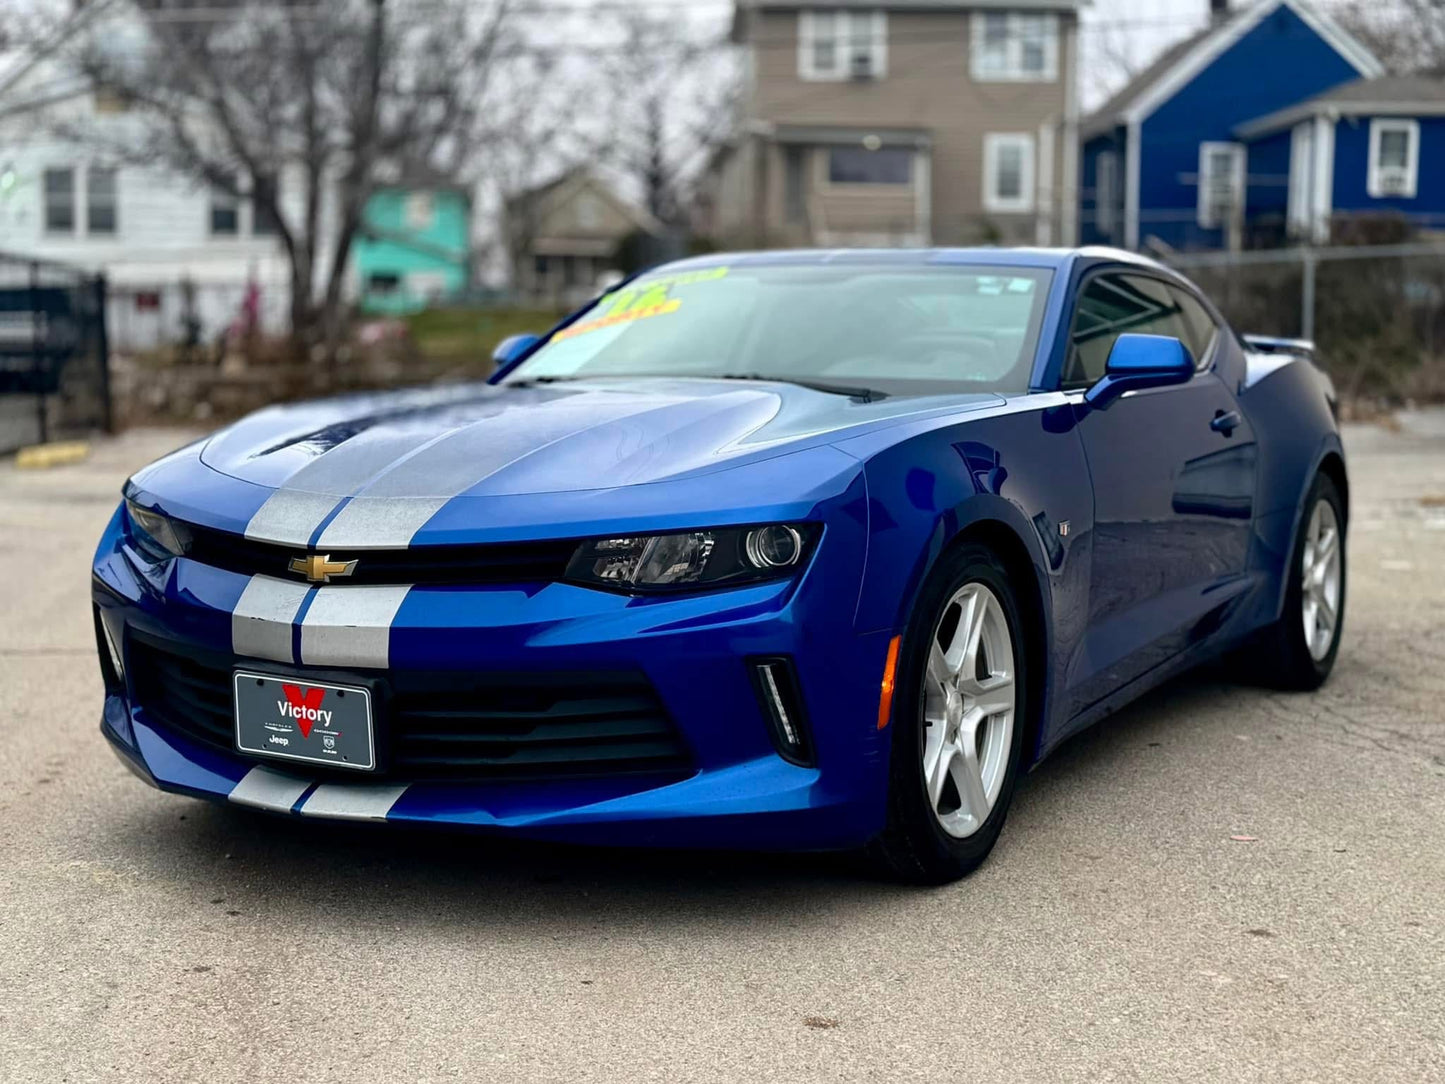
column 904, row 257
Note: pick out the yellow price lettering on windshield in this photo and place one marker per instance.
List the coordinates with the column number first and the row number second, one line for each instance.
column 640, row 301
column 629, row 315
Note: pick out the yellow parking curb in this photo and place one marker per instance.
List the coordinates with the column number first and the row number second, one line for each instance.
column 41, row 456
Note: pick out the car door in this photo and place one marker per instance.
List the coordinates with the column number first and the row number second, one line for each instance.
column 1173, row 472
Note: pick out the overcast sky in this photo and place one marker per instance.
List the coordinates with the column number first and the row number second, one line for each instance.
column 1132, row 31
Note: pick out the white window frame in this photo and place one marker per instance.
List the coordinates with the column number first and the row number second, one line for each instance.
column 1204, row 212
column 1012, row 69
column 847, row 24
column 418, row 210
column 1375, row 184
column 993, row 201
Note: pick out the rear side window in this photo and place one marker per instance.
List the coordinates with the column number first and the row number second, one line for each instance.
column 1115, row 304
column 1203, row 331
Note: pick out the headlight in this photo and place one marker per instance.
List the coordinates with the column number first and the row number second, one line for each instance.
column 713, row 558
column 160, row 535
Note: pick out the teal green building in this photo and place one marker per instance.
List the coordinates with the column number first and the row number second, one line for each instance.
column 413, row 249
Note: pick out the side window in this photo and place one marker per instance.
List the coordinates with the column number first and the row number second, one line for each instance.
column 1203, row 331
column 1112, row 305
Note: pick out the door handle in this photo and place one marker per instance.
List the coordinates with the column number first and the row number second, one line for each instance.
column 1226, row 421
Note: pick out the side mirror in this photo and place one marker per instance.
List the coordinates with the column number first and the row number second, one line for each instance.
column 1140, row 361
column 513, row 347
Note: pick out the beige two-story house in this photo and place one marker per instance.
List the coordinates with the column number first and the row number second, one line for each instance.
column 901, row 122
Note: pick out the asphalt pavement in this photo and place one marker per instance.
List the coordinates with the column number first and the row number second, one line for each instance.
column 1120, row 931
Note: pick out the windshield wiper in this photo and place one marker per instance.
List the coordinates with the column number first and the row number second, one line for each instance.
column 868, row 395
column 530, row 380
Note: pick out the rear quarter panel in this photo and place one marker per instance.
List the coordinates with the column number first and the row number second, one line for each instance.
column 1287, row 402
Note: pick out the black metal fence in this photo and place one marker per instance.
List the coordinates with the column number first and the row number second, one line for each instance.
column 1376, row 312
column 54, row 354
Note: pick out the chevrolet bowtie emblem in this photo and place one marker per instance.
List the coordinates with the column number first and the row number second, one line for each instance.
column 319, row 568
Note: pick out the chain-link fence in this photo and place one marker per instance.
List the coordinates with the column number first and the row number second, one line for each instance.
column 1376, row 312
column 54, row 356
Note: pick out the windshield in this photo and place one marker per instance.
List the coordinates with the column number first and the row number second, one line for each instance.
column 894, row 329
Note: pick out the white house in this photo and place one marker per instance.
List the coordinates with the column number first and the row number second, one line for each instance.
column 148, row 229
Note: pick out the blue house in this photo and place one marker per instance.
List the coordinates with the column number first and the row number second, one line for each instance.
column 1362, row 149
column 1163, row 161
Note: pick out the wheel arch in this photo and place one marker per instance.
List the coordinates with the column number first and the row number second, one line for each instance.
column 1332, row 466
column 1026, row 575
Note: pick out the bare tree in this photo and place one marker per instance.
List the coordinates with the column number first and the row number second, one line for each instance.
column 677, row 95
column 326, row 99
column 1113, row 62
column 534, row 132
column 1408, row 35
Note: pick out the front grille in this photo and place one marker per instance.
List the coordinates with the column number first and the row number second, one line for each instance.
column 445, row 726
column 504, row 562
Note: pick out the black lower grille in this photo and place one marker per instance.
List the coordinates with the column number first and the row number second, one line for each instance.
column 446, row 726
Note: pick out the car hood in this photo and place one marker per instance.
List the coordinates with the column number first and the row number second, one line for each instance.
column 475, row 462
column 443, row 442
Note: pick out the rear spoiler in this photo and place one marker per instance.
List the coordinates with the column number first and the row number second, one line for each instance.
column 1296, row 348
column 1268, row 344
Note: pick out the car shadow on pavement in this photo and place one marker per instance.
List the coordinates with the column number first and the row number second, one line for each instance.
column 240, row 861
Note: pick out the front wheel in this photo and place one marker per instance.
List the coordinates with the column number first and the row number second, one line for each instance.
column 958, row 722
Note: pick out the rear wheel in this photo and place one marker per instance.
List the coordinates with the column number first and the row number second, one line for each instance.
column 958, row 722
column 1298, row 651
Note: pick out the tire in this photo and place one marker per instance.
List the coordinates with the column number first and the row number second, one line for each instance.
column 926, row 841
column 1284, row 657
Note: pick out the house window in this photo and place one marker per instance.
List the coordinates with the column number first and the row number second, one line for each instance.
column 60, row 201
column 100, row 201
column 263, row 210
column 225, row 213
column 418, row 211
column 1106, row 192
column 1221, row 184
column 859, row 165
column 837, row 45
column 1394, row 158
column 1014, row 46
column 1008, row 172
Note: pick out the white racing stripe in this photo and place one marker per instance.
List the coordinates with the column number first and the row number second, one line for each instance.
column 379, row 523
column 290, row 516
column 266, row 789
column 351, row 626
column 391, row 508
column 261, row 622
column 353, row 801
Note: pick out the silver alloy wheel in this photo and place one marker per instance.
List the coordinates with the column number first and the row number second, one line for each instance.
column 1320, row 576
column 968, row 708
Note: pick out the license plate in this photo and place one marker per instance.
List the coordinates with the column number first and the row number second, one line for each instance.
column 307, row 721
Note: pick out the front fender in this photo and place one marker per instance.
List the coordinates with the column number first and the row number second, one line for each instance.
column 1021, row 472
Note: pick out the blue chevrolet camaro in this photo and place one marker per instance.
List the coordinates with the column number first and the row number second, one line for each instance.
column 778, row 550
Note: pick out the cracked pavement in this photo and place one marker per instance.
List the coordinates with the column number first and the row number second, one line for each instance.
column 1117, row 933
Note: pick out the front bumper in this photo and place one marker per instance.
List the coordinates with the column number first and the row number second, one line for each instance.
column 735, row 790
